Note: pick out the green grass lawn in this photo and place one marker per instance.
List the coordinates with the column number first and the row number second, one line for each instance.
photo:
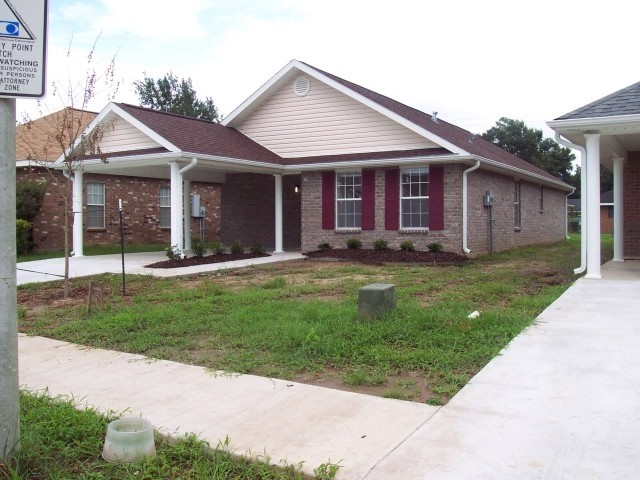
column 299, row 320
column 92, row 250
column 60, row 442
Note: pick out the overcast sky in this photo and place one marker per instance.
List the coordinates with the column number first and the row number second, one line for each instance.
column 471, row 61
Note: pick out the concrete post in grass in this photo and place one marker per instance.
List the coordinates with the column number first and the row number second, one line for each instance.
column 9, row 393
column 375, row 300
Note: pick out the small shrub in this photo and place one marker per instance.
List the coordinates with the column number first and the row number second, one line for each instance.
column 257, row 248
column 23, row 242
column 435, row 247
column 407, row 246
column 380, row 244
column 324, row 246
column 29, row 197
column 354, row 244
column 198, row 249
column 173, row 252
column 236, row 247
column 217, row 248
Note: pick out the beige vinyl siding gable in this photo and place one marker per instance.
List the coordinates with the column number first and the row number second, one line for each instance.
column 325, row 122
column 119, row 136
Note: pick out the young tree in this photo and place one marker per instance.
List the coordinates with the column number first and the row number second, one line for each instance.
column 67, row 135
column 176, row 96
column 529, row 144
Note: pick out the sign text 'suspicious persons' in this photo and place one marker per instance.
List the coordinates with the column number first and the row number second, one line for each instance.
column 23, row 30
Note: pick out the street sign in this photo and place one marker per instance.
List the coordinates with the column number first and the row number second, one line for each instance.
column 23, row 48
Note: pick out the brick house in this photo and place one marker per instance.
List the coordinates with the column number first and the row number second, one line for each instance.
column 146, row 218
column 607, row 132
column 312, row 158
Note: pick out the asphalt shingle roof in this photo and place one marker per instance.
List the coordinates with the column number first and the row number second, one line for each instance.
column 622, row 102
column 460, row 137
column 201, row 136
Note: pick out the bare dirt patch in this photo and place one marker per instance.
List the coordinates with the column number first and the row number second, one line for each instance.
column 192, row 261
column 380, row 257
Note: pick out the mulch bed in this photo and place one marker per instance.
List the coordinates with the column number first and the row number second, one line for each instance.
column 191, row 261
column 390, row 256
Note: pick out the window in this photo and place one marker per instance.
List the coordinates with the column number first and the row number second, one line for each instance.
column 165, row 207
column 95, row 205
column 517, row 204
column 414, row 198
column 348, row 200
column 541, row 199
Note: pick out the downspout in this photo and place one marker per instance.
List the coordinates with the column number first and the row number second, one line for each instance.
column 465, row 249
column 566, row 213
column 583, row 201
column 186, row 217
column 194, row 162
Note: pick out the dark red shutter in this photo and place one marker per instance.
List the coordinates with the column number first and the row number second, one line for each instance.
column 328, row 200
column 368, row 200
column 436, row 198
column 392, row 199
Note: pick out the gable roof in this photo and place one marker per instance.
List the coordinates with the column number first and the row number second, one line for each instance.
column 454, row 139
column 623, row 102
column 201, row 136
column 37, row 140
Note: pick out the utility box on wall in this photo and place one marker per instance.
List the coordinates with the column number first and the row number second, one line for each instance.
column 196, row 210
column 488, row 198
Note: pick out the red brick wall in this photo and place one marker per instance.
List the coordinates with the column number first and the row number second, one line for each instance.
column 248, row 210
column 141, row 210
column 632, row 206
column 606, row 221
column 537, row 227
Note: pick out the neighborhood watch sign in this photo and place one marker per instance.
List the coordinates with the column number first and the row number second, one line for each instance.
column 23, row 42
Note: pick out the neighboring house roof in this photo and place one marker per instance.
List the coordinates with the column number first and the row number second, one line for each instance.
column 622, row 102
column 606, row 198
column 574, row 203
column 39, row 140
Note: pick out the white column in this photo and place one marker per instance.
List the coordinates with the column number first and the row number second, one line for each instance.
column 187, row 214
column 278, row 194
column 78, row 217
column 176, row 205
column 593, row 205
column 618, row 210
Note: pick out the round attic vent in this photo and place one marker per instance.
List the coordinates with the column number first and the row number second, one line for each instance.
column 301, row 86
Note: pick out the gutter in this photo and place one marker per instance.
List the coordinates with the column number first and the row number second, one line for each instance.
column 583, row 201
column 465, row 249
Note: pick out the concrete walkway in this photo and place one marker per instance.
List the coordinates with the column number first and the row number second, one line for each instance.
column 53, row 268
column 562, row 401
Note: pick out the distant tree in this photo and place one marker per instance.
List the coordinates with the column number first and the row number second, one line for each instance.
column 529, row 144
column 176, row 96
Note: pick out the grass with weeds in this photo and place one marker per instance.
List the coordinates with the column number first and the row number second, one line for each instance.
column 60, row 442
column 296, row 319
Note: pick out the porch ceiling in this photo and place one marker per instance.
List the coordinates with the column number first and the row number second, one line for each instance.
column 157, row 166
column 619, row 135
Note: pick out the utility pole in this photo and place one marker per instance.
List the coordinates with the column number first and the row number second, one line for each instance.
column 9, row 392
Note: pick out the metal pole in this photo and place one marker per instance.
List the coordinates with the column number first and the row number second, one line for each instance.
column 121, row 244
column 9, row 391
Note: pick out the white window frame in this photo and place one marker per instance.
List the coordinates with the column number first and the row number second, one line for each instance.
column 93, row 202
column 517, row 204
column 338, row 200
column 410, row 197
column 165, row 208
